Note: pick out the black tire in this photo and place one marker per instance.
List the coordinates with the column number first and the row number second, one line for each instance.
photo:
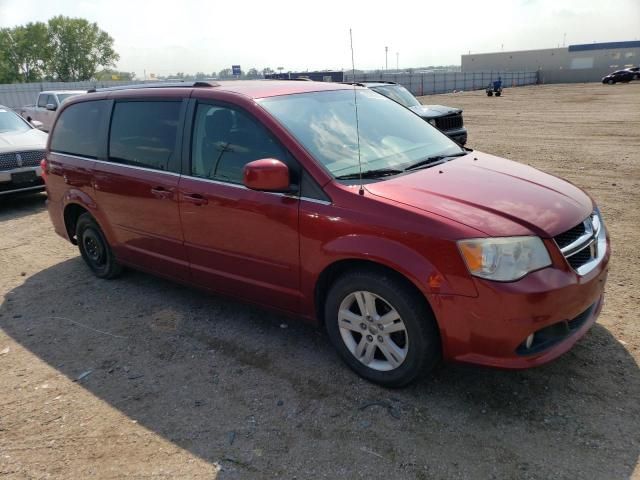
column 95, row 249
column 498, row 94
column 610, row 81
column 422, row 334
column 489, row 94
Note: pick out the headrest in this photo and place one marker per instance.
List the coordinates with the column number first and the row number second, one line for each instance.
column 218, row 125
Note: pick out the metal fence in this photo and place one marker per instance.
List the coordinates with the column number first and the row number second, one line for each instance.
column 17, row 95
column 445, row 82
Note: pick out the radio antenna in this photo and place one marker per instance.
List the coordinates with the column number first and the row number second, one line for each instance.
column 355, row 101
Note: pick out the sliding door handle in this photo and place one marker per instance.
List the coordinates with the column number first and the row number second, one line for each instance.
column 195, row 198
column 161, row 192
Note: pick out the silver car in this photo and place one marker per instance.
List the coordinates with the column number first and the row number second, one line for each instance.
column 21, row 150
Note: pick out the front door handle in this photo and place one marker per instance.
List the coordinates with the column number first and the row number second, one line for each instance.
column 161, row 192
column 195, row 198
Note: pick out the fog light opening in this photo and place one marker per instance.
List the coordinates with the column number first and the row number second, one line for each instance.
column 529, row 341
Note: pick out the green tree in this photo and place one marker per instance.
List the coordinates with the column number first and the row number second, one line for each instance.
column 78, row 49
column 32, row 50
column 108, row 74
column 24, row 53
column 267, row 71
column 225, row 73
column 9, row 72
column 253, row 73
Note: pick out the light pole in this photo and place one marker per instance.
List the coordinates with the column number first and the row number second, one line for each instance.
column 397, row 60
column 386, row 63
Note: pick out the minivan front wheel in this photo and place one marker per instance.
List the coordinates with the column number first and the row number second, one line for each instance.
column 381, row 328
column 94, row 248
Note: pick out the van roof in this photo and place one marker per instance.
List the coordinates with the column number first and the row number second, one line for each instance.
column 249, row 88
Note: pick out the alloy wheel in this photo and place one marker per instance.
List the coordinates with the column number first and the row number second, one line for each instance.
column 373, row 331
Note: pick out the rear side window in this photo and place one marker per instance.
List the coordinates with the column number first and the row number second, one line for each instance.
column 79, row 128
column 42, row 100
column 144, row 134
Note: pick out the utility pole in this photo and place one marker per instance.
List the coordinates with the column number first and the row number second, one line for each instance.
column 564, row 40
column 397, row 60
column 386, row 63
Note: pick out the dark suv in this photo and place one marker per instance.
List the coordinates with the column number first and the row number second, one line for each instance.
column 446, row 119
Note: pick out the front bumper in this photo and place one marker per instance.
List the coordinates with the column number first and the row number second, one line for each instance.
column 491, row 329
column 9, row 185
column 459, row 135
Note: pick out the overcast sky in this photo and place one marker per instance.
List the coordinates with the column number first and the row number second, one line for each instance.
column 166, row 37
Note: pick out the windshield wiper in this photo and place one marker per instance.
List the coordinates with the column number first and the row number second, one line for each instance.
column 380, row 172
column 435, row 160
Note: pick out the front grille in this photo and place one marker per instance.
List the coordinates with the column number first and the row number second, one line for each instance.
column 580, row 258
column 580, row 245
column 449, row 122
column 30, row 158
column 570, row 236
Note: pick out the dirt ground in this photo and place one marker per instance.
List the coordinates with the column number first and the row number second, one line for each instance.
column 142, row 378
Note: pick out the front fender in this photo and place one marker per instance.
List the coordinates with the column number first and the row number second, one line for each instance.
column 317, row 258
column 399, row 257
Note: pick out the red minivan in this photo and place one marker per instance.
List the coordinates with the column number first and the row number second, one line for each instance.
column 407, row 247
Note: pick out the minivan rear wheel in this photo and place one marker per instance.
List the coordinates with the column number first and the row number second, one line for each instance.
column 95, row 249
column 381, row 328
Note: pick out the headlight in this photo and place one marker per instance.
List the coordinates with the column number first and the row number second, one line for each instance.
column 504, row 259
column 432, row 121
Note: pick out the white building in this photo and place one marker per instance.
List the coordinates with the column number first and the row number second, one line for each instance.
column 576, row 63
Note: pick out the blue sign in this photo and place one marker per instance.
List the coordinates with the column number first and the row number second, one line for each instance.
column 236, row 69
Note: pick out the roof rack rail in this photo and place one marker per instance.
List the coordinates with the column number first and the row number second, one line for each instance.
column 380, row 81
column 198, row 84
column 296, row 79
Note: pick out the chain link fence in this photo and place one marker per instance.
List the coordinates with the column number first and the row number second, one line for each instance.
column 445, row 82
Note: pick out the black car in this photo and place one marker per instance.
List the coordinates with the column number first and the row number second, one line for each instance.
column 624, row 76
column 635, row 71
column 446, row 119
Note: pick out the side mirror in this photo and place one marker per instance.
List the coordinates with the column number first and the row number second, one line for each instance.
column 37, row 124
column 51, row 106
column 267, row 174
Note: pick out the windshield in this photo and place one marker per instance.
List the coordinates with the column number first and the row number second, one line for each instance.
column 399, row 94
column 391, row 137
column 63, row 96
column 11, row 122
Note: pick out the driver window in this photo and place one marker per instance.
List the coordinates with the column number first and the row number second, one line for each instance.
column 225, row 140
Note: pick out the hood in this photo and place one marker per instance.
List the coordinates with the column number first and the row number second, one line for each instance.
column 433, row 111
column 498, row 197
column 32, row 139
